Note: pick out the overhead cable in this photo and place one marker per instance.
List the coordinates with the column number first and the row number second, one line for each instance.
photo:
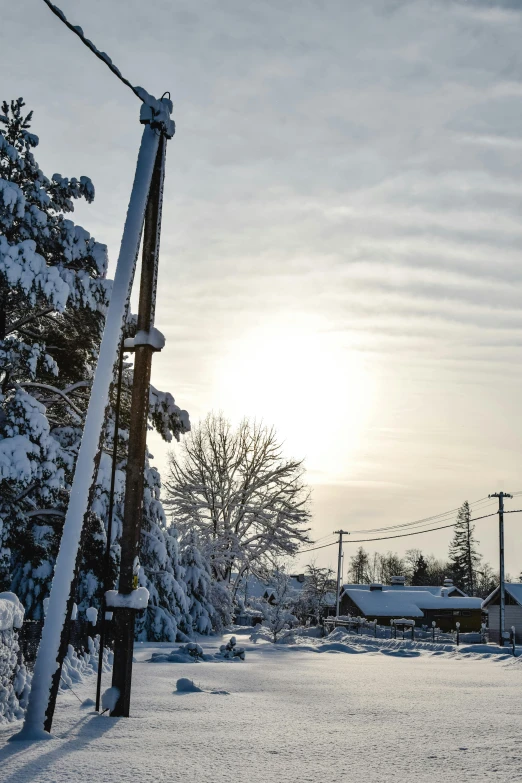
column 403, row 535
column 142, row 94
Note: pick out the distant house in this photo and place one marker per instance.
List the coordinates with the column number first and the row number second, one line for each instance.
column 513, row 615
column 445, row 605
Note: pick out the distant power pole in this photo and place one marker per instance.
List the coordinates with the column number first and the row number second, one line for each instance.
column 340, row 533
column 501, row 496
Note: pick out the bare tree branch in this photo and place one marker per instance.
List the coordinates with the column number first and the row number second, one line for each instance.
column 247, row 502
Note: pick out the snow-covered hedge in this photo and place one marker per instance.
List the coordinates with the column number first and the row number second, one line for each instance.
column 14, row 681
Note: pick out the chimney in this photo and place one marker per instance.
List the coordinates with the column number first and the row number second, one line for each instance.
column 375, row 586
column 448, row 582
column 398, row 581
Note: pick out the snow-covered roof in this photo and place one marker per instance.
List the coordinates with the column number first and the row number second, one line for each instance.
column 513, row 588
column 435, row 589
column 390, row 602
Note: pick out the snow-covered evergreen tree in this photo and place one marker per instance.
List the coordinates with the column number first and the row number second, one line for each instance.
column 221, row 600
column 197, row 579
column 167, row 615
column 53, row 297
column 53, row 294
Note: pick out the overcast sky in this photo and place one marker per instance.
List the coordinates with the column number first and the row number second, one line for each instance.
column 341, row 248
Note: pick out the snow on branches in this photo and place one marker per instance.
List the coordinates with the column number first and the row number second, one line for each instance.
column 247, row 503
column 13, row 674
column 54, row 296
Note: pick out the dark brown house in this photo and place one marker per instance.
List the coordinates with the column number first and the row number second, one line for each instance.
column 443, row 605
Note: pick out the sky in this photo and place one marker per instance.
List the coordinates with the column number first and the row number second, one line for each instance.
column 341, row 237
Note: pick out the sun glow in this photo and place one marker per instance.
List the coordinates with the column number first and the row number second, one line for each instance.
column 301, row 377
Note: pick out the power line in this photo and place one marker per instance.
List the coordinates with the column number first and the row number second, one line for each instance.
column 417, row 532
column 140, row 93
column 404, row 535
column 313, row 549
column 424, row 520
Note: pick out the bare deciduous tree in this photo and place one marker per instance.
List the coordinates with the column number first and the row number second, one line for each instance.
column 278, row 607
column 248, row 504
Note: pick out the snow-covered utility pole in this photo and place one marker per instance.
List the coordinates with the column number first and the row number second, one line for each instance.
column 146, row 341
column 502, row 613
column 341, row 533
column 156, row 116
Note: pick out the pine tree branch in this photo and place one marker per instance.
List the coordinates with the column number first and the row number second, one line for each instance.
column 28, row 319
column 55, row 390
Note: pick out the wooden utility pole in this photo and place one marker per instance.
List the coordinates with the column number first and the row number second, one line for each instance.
column 144, row 347
column 107, row 565
column 339, row 559
column 502, row 613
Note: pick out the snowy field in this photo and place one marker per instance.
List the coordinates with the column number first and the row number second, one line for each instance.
column 320, row 710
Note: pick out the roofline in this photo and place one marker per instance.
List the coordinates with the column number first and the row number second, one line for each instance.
column 352, row 586
column 493, row 595
column 490, row 597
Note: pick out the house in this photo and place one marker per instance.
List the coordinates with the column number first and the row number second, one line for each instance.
column 513, row 613
column 425, row 604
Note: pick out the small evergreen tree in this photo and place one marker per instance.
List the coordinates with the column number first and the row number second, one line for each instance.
column 420, row 574
column 463, row 555
column 197, row 578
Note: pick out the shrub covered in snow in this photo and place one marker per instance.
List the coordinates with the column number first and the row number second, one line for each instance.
column 14, row 679
column 193, row 650
column 231, row 650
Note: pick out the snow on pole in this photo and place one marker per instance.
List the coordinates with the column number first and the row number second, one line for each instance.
column 46, row 661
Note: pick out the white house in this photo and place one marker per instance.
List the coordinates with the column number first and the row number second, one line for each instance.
column 513, row 614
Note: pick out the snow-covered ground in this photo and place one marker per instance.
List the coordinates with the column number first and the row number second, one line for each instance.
column 335, row 710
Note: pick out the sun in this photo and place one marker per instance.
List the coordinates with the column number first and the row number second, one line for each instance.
column 299, row 375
